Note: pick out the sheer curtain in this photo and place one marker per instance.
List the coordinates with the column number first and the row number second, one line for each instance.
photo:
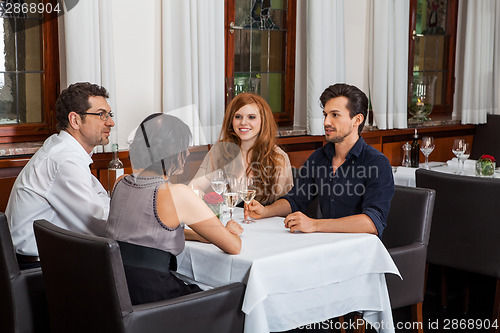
column 193, row 65
column 477, row 69
column 388, row 62
column 320, row 56
column 88, row 50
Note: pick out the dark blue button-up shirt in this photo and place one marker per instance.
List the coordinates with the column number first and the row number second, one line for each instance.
column 363, row 184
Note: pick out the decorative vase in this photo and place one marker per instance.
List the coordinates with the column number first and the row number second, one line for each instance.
column 214, row 202
column 485, row 168
column 216, row 208
column 421, row 99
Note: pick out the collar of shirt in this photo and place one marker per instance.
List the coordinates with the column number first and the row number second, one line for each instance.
column 355, row 150
column 68, row 138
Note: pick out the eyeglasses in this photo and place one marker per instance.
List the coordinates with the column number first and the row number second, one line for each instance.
column 103, row 114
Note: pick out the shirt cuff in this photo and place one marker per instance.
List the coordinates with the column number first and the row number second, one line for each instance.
column 377, row 221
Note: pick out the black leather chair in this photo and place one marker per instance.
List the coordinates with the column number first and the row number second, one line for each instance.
column 406, row 237
column 22, row 294
column 466, row 225
column 487, row 138
column 87, row 292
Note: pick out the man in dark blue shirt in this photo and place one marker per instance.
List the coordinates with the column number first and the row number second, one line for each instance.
column 352, row 179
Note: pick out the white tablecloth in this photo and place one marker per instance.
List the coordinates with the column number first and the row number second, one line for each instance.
column 405, row 176
column 294, row 279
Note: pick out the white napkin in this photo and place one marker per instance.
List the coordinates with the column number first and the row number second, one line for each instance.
column 406, row 170
column 468, row 165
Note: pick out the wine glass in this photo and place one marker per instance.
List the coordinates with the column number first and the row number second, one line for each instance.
column 218, row 181
column 247, row 193
column 231, row 196
column 459, row 149
column 231, row 199
column 465, row 155
column 426, row 148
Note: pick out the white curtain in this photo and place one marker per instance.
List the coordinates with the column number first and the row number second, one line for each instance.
column 388, row 62
column 320, row 57
column 89, row 51
column 477, row 67
column 193, row 65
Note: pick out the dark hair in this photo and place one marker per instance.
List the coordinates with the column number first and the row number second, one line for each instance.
column 160, row 144
column 75, row 98
column 357, row 100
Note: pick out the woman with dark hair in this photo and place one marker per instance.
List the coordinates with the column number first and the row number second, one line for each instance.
column 148, row 213
column 247, row 148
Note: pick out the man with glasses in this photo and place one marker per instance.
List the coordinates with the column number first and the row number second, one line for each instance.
column 57, row 184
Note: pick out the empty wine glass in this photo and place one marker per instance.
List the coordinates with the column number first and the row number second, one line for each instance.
column 218, row 181
column 465, row 155
column 426, row 148
column 247, row 193
column 459, row 146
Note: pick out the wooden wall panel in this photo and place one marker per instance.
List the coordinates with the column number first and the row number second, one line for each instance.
column 442, row 152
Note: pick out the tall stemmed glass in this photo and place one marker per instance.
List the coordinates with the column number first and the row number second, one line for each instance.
column 465, row 155
column 231, row 195
column 458, row 149
column 426, row 148
column 218, row 181
column 247, row 193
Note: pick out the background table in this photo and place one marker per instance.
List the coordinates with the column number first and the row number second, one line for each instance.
column 294, row 279
column 405, row 176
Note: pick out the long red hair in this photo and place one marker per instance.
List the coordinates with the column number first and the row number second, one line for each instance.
column 263, row 159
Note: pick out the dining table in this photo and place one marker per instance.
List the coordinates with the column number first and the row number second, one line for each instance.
column 405, row 176
column 296, row 279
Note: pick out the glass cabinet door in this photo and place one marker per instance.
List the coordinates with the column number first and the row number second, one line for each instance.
column 259, row 35
column 432, row 48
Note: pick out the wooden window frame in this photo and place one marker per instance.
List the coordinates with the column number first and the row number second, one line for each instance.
column 442, row 110
column 50, row 82
column 282, row 118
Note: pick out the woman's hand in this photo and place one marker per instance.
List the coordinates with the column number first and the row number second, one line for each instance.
column 255, row 209
column 234, row 227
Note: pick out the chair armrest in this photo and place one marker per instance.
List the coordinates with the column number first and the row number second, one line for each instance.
column 31, row 301
column 410, row 260
column 217, row 310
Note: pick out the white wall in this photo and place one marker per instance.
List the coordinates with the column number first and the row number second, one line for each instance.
column 356, row 43
column 137, row 39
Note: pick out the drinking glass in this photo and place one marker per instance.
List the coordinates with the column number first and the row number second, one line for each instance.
column 231, row 195
column 218, row 181
column 459, row 146
column 426, row 148
column 465, row 155
column 231, row 199
column 247, row 193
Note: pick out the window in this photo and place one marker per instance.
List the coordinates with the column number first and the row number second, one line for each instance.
column 29, row 70
column 433, row 26
column 260, row 52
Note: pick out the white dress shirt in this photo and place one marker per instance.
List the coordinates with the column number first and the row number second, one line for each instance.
column 56, row 185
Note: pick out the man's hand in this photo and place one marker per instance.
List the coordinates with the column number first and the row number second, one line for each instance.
column 299, row 222
column 234, row 227
column 255, row 209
